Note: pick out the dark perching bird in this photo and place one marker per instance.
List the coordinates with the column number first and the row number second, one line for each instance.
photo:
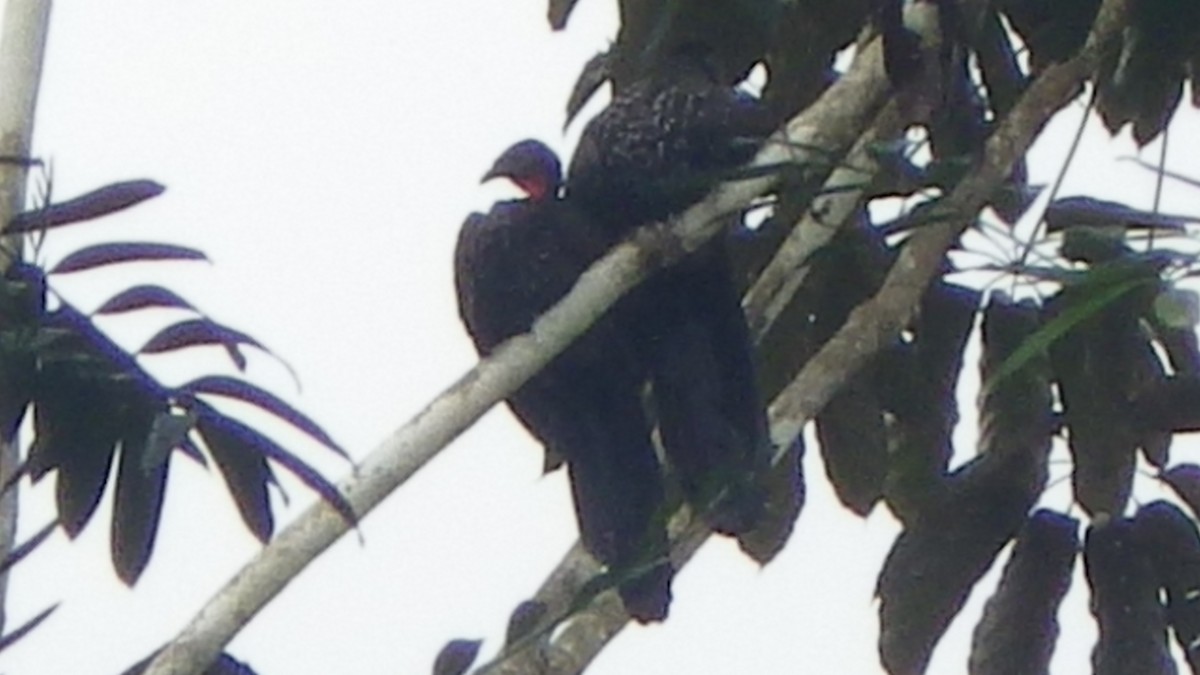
column 663, row 143
column 658, row 148
column 512, row 264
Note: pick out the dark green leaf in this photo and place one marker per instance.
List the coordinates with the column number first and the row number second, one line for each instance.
column 1125, row 603
column 141, row 297
column 244, row 469
column 456, row 657
column 1019, row 627
column 1184, row 479
column 201, row 332
column 1172, row 543
column 100, row 255
column 95, row 204
column 595, row 73
column 853, row 444
column 784, row 485
column 137, row 505
column 220, row 385
column 523, row 620
column 558, row 13
column 936, row 561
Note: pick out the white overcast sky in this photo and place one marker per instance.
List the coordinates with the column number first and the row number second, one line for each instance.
column 323, row 154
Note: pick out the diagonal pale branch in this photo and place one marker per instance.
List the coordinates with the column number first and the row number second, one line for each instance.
column 22, row 47
column 842, row 194
column 868, row 329
column 829, row 126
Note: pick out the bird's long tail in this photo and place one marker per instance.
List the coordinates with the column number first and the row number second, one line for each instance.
column 617, row 485
column 711, row 417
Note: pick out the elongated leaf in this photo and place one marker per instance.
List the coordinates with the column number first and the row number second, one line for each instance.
column 1125, row 603
column 935, row 562
column 201, row 332
column 1094, row 246
column 9, row 639
column 137, row 505
column 142, row 297
column 1019, row 627
column 785, row 490
column 100, row 255
column 220, row 385
column 245, row 471
column 1067, row 212
column 1095, row 364
column 239, row 442
column 523, row 620
column 28, row 546
column 558, row 13
column 1058, row 326
column 95, row 204
column 191, row 451
column 456, row 657
column 853, row 444
column 307, row 475
column 1181, row 346
column 1172, row 543
column 1016, row 416
column 1170, row 405
column 1147, row 373
column 76, row 439
column 1184, row 479
column 918, row 383
column 595, row 73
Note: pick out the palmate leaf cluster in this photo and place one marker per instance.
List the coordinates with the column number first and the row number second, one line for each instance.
column 92, row 403
column 1090, row 351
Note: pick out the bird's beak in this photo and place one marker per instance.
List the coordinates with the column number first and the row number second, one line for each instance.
column 497, row 171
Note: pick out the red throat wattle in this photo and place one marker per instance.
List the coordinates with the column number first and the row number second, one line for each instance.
column 535, row 187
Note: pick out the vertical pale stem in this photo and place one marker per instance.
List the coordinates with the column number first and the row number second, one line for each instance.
column 22, row 47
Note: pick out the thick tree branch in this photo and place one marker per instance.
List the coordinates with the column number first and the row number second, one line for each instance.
column 869, row 328
column 22, row 47
column 846, row 189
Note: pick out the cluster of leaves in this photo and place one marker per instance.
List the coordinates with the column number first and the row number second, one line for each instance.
column 93, row 404
column 1141, row 83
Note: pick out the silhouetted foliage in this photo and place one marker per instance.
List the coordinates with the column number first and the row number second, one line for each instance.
column 1098, row 353
column 93, row 404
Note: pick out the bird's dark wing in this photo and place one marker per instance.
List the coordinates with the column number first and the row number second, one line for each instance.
column 711, row 418
column 470, row 257
column 617, row 485
column 585, row 405
column 510, row 265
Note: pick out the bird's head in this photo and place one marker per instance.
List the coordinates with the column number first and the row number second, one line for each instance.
column 532, row 166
